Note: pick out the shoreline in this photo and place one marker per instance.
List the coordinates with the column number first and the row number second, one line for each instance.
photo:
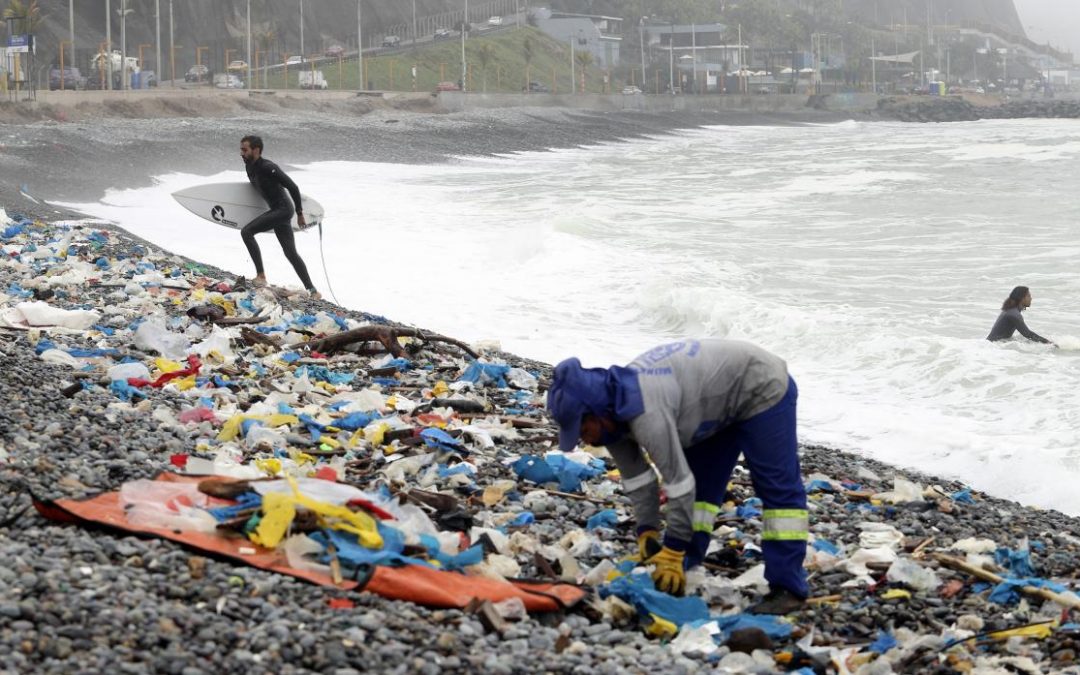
column 62, row 447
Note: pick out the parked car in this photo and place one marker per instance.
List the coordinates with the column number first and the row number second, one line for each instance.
column 443, row 34
column 294, row 60
column 228, row 81
column 197, row 73
column 72, row 79
column 630, row 90
column 335, row 51
column 538, row 87
column 447, row 86
column 391, row 41
column 237, row 66
column 495, row 21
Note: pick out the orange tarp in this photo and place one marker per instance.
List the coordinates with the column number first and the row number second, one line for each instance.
column 415, row 583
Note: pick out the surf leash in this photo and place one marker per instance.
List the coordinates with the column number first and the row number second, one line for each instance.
column 326, row 272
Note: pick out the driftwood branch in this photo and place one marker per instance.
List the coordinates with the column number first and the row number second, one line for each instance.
column 963, row 566
column 387, row 336
column 254, row 337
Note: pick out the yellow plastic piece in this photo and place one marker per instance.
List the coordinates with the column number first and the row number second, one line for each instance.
column 895, row 593
column 391, row 402
column 1040, row 631
column 301, row 457
column 375, row 436
column 440, row 389
column 357, row 435
column 220, row 301
column 269, row 465
column 332, row 442
column 199, row 294
column 278, row 510
column 184, row 383
column 231, row 429
column 661, row 628
column 166, row 365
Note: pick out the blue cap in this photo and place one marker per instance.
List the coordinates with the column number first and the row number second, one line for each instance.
column 576, row 392
column 568, row 411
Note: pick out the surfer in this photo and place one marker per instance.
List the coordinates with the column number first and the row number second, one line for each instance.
column 273, row 183
column 1010, row 320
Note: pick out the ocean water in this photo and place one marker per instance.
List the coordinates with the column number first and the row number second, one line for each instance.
column 872, row 257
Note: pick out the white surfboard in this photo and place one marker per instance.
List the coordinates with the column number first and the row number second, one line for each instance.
column 237, row 204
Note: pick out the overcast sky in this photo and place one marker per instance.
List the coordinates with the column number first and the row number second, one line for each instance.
column 1053, row 21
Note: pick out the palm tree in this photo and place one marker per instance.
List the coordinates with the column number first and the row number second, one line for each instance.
column 528, row 51
column 27, row 13
column 584, row 60
column 485, row 53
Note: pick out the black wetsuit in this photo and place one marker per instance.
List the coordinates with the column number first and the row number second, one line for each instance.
column 1010, row 321
column 273, row 184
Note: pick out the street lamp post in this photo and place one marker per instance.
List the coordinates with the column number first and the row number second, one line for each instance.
column 108, row 42
column 641, row 37
column 464, row 63
column 172, row 49
column 124, row 84
column 671, row 59
column 157, row 40
column 302, row 52
column 359, row 48
column 414, row 24
column 71, row 30
column 248, row 45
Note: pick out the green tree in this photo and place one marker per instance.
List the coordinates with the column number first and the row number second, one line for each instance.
column 584, row 60
column 485, row 54
column 27, row 14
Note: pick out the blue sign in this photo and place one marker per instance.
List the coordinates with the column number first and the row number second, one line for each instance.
column 20, row 43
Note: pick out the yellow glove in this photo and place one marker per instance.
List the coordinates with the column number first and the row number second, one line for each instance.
column 648, row 543
column 669, row 576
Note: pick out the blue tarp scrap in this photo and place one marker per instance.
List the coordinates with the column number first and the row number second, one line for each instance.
column 455, row 470
column 556, row 468
column 324, row 374
column 105, row 330
column 485, row 373
column 334, row 407
column 98, row 237
column 314, row 428
column 535, row 470
column 354, row 421
column 962, row 497
column 826, row 546
column 385, row 381
column 1007, row 592
column 247, row 425
column 747, row 511
column 246, row 303
column 1017, row 562
column 284, row 408
column 291, row 357
column 304, row 320
column 402, row 365
column 608, row 518
column 884, row 642
column 474, row 555
column 818, row 485
column 339, row 321
column 440, row 440
column 639, row 591
column 352, row 555
column 124, row 391
column 43, row 346
column 12, row 231
column 245, row 502
column 18, row 291
column 522, row 519
column 102, row 263
column 92, row 353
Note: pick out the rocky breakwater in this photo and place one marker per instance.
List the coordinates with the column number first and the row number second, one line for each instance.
column 341, row 448
column 959, row 109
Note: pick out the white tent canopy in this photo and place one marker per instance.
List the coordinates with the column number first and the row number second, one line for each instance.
column 908, row 58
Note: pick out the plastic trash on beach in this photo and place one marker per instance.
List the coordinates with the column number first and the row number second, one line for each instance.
column 879, row 535
column 903, row 492
column 911, row 574
column 700, row 638
column 173, row 506
column 153, row 336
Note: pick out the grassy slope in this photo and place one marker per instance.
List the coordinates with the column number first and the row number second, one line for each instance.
column 441, row 61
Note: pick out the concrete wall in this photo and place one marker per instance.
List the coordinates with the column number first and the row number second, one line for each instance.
column 457, row 101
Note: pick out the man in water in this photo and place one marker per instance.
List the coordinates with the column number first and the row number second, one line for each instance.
column 1010, row 320
column 694, row 407
column 272, row 183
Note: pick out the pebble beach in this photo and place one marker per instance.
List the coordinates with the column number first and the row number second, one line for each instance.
column 908, row 572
